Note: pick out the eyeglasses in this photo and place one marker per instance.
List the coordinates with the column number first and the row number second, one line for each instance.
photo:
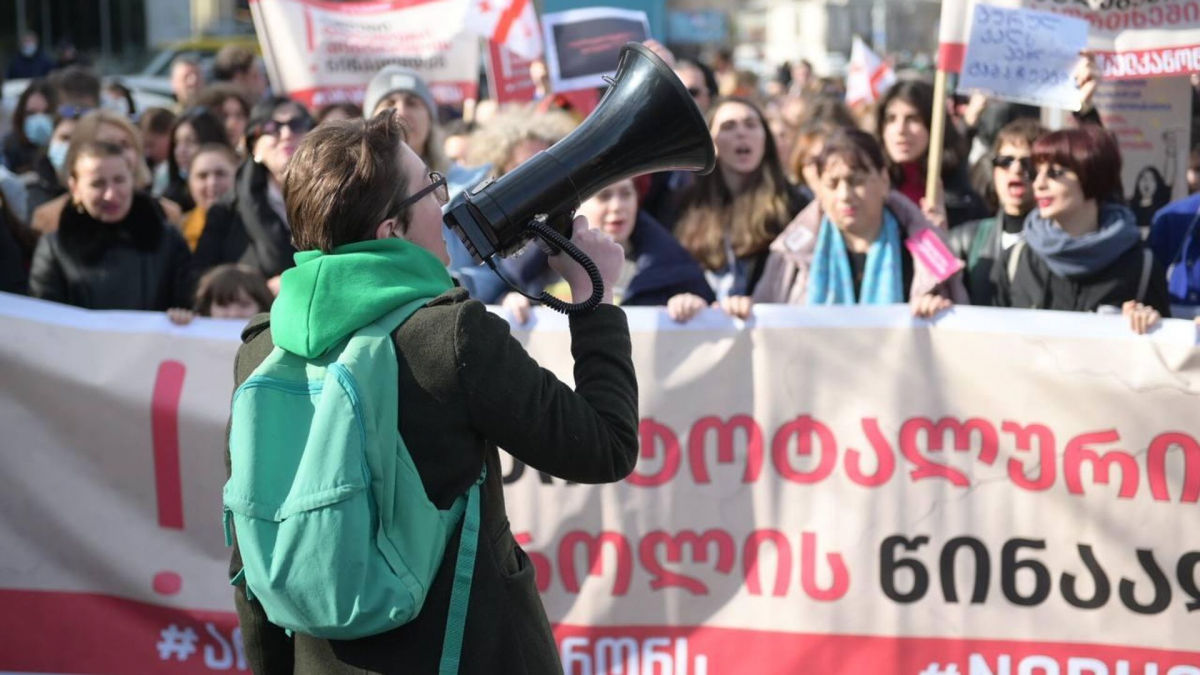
column 297, row 125
column 437, row 185
column 68, row 111
column 1006, row 161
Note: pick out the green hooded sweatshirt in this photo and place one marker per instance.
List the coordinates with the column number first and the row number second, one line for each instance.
column 326, row 297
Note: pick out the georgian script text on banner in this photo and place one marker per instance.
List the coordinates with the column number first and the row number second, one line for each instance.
column 832, row 490
column 323, row 52
column 1131, row 39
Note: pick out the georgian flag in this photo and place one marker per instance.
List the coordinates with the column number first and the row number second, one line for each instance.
column 511, row 23
column 869, row 75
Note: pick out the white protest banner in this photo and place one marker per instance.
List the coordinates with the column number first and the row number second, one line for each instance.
column 821, row 490
column 583, row 45
column 1130, row 38
column 1024, row 55
column 323, row 52
column 1151, row 120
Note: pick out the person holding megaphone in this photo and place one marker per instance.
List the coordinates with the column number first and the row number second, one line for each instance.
column 365, row 213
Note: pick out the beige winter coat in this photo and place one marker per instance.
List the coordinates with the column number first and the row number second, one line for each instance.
column 785, row 277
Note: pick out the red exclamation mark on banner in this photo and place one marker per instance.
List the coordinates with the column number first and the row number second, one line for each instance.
column 168, row 482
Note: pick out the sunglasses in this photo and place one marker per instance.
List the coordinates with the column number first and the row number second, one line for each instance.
column 1006, row 161
column 297, row 125
column 1056, row 172
column 437, row 185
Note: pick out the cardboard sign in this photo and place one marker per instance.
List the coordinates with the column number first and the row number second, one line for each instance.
column 1024, row 55
column 583, row 45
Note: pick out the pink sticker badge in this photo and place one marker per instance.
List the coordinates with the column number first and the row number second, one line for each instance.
column 929, row 249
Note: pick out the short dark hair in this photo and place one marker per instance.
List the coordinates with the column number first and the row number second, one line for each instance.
column 856, row 147
column 1090, row 152
column 345, row 179
column 1021, row 131
column 77, row 85
column 156, row 121
column 263, row 112
column 220, row 148
column 232, row 60
column 214, row 97
column 221, row 284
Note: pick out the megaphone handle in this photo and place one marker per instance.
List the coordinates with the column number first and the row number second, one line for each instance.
column 553, row 237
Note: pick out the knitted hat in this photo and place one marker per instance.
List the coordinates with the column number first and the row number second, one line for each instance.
column 392, row 79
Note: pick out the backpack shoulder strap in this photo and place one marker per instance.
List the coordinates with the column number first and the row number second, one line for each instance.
column 1147, row 267
column 1014, row 259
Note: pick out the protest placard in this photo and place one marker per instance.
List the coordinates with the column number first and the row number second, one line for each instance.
column 583, row 45
column 1151, row 120
column 321, row 52
column 1130, row 39
column 508, row 75
column 1023, row 55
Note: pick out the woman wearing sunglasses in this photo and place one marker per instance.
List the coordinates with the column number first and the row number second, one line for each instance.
column 1081, row 252
column 979, row 243
column 250, row 225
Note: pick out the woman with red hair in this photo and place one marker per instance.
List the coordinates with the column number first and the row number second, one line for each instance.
column 1081, row 249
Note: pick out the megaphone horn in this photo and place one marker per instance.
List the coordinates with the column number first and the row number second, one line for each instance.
column 646, row 122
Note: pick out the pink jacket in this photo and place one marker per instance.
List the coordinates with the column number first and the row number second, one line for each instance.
column 785, row 276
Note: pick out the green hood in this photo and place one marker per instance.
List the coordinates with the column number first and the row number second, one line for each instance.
column 327, row 297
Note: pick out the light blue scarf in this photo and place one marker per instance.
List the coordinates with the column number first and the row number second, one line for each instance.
column 831, row 281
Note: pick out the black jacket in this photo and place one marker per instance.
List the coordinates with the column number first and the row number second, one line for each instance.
column 467, row 385
column 46, row 187
column 243, row 228
column 664, row 267
column 140, row 263
column 978, row 244
column 14, row 278
column 1034, row 286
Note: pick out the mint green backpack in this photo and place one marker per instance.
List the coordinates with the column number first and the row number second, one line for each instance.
column 337, row 536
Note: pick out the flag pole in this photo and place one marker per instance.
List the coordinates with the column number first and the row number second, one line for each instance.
column 937, row 135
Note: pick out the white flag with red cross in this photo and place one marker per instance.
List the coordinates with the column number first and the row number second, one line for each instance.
column 511, row 23
column 869, row 75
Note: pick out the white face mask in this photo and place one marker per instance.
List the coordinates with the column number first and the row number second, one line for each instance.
column 28, row 48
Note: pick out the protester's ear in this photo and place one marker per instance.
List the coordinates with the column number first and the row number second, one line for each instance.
column 386, row 229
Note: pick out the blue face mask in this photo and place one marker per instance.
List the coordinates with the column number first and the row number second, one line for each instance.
column 39, row 127
column 57, row 154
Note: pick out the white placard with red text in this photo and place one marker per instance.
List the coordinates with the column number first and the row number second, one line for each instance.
column 825, row 490
column 322, row 52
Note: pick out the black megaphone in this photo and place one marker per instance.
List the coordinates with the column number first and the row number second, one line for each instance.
column 646, row 122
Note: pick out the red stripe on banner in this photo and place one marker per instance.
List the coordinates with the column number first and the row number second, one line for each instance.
column 951, row 56
column 164, row 431
column 46, row 631
column 507, row 18
column 701, row 649
column 58, row 632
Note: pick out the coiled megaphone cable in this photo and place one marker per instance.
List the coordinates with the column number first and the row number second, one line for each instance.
column 551, row 236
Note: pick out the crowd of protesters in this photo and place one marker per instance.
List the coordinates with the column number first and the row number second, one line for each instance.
column 181, row 210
